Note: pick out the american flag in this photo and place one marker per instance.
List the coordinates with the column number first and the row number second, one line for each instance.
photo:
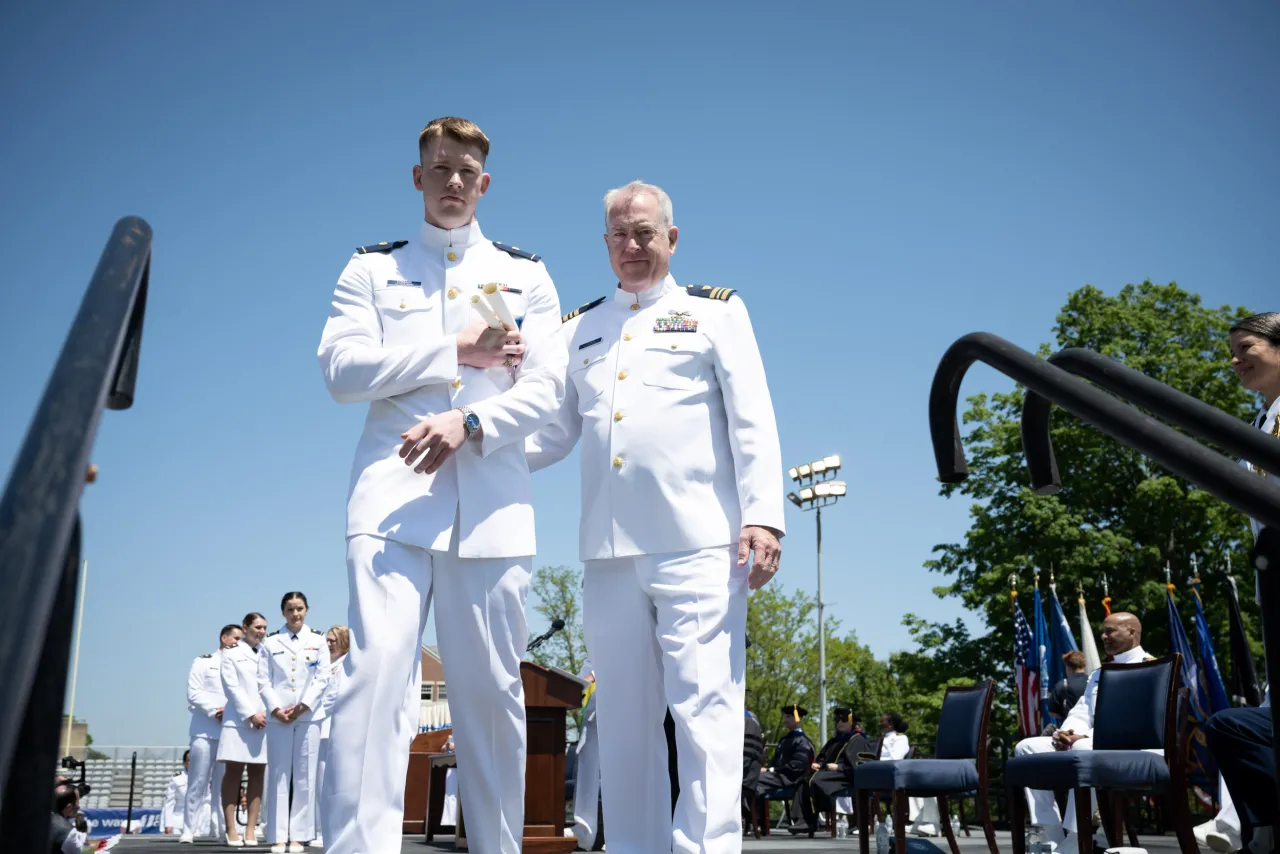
column 1026, row 675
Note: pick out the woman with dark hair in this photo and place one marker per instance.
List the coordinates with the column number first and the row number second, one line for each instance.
column 175, row 798
column 1255, row 358
column 242, row 745
column 894, row 743
column 297, row 670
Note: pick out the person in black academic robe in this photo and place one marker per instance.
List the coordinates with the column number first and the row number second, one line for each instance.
column 832, row 768
column 790, row 762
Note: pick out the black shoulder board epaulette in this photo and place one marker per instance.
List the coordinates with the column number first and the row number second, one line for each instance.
column 580, row 309
column 710, row 292
column 273, row 634
column 517, row 251
column 207, row 655
column 384, row 246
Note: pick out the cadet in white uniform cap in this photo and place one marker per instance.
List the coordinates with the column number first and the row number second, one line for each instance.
column 441, row 499
column 298, row 668
column 681, row 478
column 206, row 702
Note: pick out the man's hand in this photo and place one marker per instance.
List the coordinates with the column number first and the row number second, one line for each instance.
column 221, row 709
column 764, row 542
column 282, row 715
column 814, row 766
column 482, row 347
column 258, row 721
column 831, row 766
column 433, row 440
column 1063, row 739
column 298, row 711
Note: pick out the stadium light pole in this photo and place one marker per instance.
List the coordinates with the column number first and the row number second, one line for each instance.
column 817, row 490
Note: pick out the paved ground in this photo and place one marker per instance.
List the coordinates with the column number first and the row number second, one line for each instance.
column 773, row 845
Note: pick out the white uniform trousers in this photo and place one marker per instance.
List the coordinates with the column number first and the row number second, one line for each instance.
column 586, row 792
column 481, row 630
column 1042, row 807
column 202, row 812
column 322, row 814
column 668, row 630
column 293, row 750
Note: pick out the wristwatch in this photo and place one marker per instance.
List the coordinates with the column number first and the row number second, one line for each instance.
column 470, row 420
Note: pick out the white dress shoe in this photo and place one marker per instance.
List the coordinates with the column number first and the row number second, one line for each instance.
column 234, row 843
column 279, row 848
column 318, row 842
column 187, row 837
column 296, row 848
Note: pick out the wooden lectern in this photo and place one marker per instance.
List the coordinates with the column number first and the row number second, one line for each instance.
column 549, row 694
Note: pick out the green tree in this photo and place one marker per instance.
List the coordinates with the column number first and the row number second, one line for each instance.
column 782, row 665
column 1118, row 513
column 558, row 592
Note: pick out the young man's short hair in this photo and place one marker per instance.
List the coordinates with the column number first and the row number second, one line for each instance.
column 460, row 130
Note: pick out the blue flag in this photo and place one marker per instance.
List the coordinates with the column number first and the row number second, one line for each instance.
column 1215, row 689
column 1063, row 640
column 1202, row 773
column 1044, row 654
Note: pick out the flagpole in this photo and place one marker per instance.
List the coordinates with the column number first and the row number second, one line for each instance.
column 1106, row 596
column 75, row 661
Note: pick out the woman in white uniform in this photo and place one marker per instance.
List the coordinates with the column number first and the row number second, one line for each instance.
column 175, row 799
column 298, row 669
column 338, row 640
column 244, row 721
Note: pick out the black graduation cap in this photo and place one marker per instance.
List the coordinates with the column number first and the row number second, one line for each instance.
column 842, row 713
column 794, row 710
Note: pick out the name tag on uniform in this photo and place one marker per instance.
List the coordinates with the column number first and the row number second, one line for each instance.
column 402, row 283
column 589, row 343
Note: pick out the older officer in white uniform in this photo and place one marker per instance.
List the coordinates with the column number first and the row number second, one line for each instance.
column 441, row 500
column 681, row 478
column 298, row 670
column 1122, row 642
column 206, row 702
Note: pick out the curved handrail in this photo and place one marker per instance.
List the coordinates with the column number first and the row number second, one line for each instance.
column 1258, row 497
column 1197, row 417
column 96, row 369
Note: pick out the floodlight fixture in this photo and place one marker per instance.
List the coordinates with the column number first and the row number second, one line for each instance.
column 795, row 499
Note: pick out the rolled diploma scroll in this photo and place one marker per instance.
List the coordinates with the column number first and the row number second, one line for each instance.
column 487, row 314
column 499, row 305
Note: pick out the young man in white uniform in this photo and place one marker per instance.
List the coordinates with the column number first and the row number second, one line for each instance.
column 206, row 702
column 681, row 479
column 441, row 501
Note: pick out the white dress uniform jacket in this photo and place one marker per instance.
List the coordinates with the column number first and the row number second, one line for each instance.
column 1080, row 718
column 175, row 797
column 648, row 373
column 391, row 340
column 204, row 696
column 1266, row 422
column 894, row 745
column 297, row 668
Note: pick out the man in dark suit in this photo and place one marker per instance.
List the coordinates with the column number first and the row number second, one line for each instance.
column 1243, row 745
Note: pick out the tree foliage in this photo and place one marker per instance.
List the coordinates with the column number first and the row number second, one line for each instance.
column 1119, row 514
column 558, row 592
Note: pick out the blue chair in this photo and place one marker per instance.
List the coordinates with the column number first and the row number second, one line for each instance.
column 960, row 766
column 1135, row 712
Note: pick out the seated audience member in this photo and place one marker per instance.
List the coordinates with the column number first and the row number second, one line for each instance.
column 1122, row 640
column 790, row 762
column 1243, row 745
column 832, row 769
column 1069, row 691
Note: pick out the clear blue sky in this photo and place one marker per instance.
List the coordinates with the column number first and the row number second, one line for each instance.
column 875, row 180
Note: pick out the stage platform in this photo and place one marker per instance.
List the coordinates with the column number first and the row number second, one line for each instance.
column 818, row 845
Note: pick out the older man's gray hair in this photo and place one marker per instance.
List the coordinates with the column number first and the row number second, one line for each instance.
column 620, row 195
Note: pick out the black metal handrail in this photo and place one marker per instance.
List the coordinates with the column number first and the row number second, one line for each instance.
column 1197, row 417
column 40, row 526
column 1255, row 496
